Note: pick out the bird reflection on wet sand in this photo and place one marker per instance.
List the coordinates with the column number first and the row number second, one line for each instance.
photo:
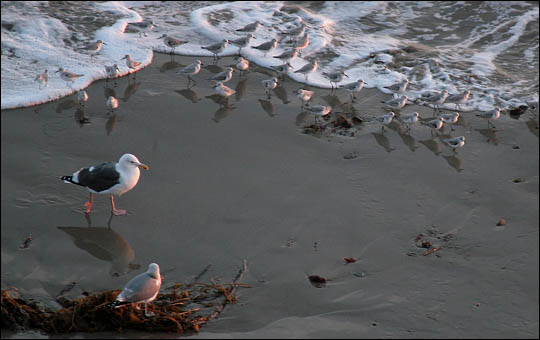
column 109, row 92
column 301, row 117
column 104, row 244
column 532, row 125
column 80, row 117
column 189, row 94
column 268, row 107
column 240, row 89
column 408, row 140
column 432, row 145
column 491, row 135
column 65, row 105
column 454, row 162
column 110, row 124
column 383, row 141
column 130, row 90
column 280, row 92
column 222, row 112
column 170, row 65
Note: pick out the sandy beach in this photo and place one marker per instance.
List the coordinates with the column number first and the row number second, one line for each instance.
column 245, row 182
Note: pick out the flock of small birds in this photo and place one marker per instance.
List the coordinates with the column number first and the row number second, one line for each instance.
column 300, row 39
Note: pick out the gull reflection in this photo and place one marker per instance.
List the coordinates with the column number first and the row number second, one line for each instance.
column 105, row 244
column 170, row 65
column 130, row 90
column 189, row 94
column 240, row 89
column 532, row 125
column 491, row 135
column 281, row 94
column 222, row 112
column 267, row 106
column 432, row 145
column 109, row 92
column 383, row 141
column 80, row 117
column 454, row 162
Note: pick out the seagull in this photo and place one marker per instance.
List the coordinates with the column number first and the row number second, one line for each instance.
column 108, row 178
column 455, row 143
column 336, row 77
column 493, row 114
column 318, row 111
column 131, row 64
column 171, row 42
column 295, row 31
column 437, row 99
column 353, row 87
column 191, row 70
column 223, row 90
column 269, row 84
column 143, row 288
column 82, row 97
column 399, row 88
column 266, row 46
column 397, row 103
column 241, row 64
column 68, row 76
column 250, row 27
column 308, row 68
column 242, row 42
column 282, row 69
column 217, row 48
column 288, row 55
column 409, row 118
column 112, row 103
column 94, row 47
column 223, row 77
column 304, row 95
column 142, row 26
column 434, row 124
column 450, row 118
column 112, row 71
column 385, row 119
column 42, row 78
column 458, row 98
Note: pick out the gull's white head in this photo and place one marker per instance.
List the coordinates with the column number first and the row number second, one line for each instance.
column 153, row 270
column 130, row 160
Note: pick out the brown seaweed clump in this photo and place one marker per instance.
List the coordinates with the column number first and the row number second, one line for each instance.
column 180, row 308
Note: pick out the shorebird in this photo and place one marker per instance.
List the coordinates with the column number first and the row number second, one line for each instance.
column 308, row 68
column 318, row 111
column 191, row 70
column 108, row 178
column 455, row 143
column 112, row 71
column 94, row 47
column 385, row 119
column 399, row 88
column 282, row 69
column 396, row 103
column 223, row 77
column 112, row 103
column 142, row 26
column 336, row 77
column 450, row 118
column 269, row 85
column 353, row 87
column 241, row 64
column 223, row 90
column 143, row 288
column 42, row 78
column 434, row 124
column 302, row 42
column 437, row 99
column 242, row 42
column 131, row 63
column 68, row 76
column 409, row 119
column 217, row 47
column 171, row 42
column 250, row 27
column 304, row 95
column 82, row 97
column 288, row 55
column 458, row 98
column 266, row 46
column 493, row 114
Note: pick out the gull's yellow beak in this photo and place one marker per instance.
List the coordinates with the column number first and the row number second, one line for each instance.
column 143, row 166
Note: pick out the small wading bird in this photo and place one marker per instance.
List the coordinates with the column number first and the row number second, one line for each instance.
column 171, row 42
column 108, row 178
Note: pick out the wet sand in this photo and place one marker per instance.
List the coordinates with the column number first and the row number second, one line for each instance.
column 245, row 183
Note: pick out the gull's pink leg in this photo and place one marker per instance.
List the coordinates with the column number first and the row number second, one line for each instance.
column 88, row 204
column 117, row 212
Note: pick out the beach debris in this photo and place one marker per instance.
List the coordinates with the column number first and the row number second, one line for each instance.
column 361, row 274
column 501, row 222
column 517, row 180
column 67, row 288
column 26, row 243
column 351, row 155
column 179, row 308
column 349, row 260
column 431, row 251
column 317, row 281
